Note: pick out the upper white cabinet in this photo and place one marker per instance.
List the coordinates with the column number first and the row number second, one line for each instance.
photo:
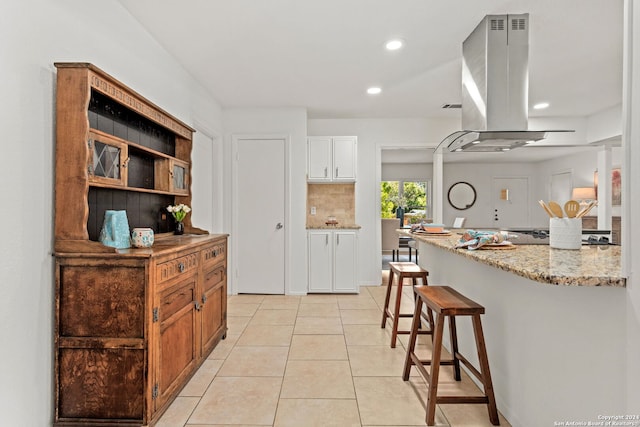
column 331, row 158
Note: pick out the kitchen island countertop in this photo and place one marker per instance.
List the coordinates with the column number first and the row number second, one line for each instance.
column 592, row 265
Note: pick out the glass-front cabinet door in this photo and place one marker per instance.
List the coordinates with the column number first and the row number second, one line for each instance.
column 108, row 159
column 172, row 175
column 179, row 177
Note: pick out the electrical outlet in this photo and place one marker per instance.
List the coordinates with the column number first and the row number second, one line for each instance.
column 313, row 210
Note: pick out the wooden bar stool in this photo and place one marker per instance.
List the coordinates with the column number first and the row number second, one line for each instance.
column 447, row 302
column 403, row 270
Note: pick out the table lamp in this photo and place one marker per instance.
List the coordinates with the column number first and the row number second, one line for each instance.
column 583, row 195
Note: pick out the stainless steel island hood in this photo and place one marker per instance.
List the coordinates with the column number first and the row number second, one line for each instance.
column 495, row 87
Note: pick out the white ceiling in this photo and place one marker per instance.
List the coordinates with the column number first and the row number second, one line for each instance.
column 323, row 54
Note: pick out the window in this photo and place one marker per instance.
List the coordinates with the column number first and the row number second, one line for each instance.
column 413, row 196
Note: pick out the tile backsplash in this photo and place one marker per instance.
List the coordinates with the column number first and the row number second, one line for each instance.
column 337, row 200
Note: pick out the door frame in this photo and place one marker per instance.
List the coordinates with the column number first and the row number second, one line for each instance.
column 376, row 193
column 235, row 140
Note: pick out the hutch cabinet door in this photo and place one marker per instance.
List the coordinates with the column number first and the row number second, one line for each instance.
column 100, row 340
column 172, row 175
column 108, row 160
column 214, row 302
column 177, row 339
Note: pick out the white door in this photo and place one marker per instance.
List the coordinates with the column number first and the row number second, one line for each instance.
column 259, row 216
column 510, row 202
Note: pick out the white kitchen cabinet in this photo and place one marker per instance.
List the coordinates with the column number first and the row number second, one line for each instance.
column 333, row 261
column 331, row 158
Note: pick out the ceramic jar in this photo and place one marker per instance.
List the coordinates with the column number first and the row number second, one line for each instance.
column 142, row 237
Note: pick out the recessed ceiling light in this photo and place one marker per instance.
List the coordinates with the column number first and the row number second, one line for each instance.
column 374, row 90
column 394, row 44
column 541, row 106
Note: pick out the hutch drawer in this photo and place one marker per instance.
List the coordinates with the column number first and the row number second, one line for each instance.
column 173, row 268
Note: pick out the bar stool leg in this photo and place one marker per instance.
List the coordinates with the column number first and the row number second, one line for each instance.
column 429, row 311
column 415, row 299
column 412, row 341
column 484, row 370
column 386, row 300
column 454, row 347
column 396, row 315
column 435, row 370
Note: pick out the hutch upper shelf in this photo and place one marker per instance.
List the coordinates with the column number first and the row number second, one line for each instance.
column 115, row 150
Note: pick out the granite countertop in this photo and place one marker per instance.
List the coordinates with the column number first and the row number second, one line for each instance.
column 338, row 226
column 592, row 265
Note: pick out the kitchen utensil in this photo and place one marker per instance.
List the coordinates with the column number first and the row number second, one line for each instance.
column 571, row 208
column 546, row 208
column 587, row 209
column 556, row 209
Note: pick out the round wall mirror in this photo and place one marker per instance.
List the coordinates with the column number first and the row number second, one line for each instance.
column 461, row 195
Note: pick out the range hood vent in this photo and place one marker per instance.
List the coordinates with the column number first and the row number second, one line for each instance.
column 495, row 87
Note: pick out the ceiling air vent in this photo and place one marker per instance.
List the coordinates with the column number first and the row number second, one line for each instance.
column 497, row 24
column 451, row 106
column 518, row 24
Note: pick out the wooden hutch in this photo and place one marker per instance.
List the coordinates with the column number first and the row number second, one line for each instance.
column 131, row 325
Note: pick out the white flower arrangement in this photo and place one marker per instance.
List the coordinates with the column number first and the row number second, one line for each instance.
column 179, row 211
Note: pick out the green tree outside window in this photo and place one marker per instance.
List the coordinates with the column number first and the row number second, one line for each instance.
column 412, row 196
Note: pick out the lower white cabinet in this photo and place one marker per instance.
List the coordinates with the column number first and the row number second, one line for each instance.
column 333, row 256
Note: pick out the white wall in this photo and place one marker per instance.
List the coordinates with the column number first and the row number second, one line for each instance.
column 291, row 122
column 581, row 166
column 480, row 175
column 36, row 33
column 631, row 219
column 407, row 171
column 373, row 135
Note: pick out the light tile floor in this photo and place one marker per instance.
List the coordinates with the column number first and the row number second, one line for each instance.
column 315, row 360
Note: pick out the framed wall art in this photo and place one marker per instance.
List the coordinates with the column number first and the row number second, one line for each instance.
column 616, row 185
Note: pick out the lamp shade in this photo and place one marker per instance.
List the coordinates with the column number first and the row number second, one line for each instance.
column 583, row 193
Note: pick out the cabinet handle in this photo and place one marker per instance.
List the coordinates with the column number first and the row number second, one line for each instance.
column 326, row 170
column 326, row 239
column 181, row 267
column 204, row 299
column 197, row 305
column 336, row 172
column 337, row 239
column 215, row 252
column 125, row 163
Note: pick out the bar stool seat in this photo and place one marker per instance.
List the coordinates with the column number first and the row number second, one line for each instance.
column 403, row 270
column 447, row 302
